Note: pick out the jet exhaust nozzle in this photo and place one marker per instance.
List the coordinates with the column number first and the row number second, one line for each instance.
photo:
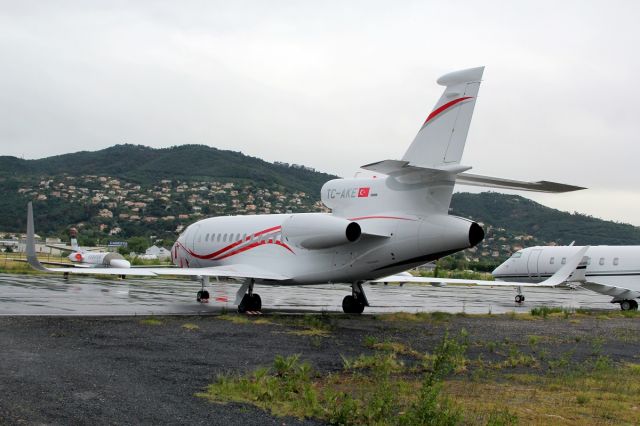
column 476, row 234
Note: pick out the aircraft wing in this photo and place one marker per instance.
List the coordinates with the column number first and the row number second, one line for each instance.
column 573, row 266
column 48, row 262
column 618, row 293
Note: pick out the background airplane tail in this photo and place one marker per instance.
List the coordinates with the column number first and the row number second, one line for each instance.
column 441, row 139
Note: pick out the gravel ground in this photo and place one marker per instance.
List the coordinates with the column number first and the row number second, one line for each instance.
column 122, row 370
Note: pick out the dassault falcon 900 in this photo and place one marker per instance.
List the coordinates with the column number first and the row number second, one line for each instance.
column 389, row 221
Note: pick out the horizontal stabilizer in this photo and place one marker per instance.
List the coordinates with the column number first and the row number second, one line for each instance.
column 398, row 168
column 493, row 182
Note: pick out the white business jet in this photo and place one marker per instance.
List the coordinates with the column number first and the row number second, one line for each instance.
column 81, row 257
column 610, row 270
column 393, row 220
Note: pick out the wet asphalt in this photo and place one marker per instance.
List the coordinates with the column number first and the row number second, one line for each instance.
column 86, row 296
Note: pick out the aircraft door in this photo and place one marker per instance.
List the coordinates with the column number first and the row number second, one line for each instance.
column 193, row 240
column 532, row 263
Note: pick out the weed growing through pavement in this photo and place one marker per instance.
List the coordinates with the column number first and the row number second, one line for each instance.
column 151, row 321
column 372, row 389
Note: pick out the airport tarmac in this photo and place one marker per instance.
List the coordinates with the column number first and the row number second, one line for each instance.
column 87, row 296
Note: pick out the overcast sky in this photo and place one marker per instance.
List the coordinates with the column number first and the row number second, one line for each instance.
column 334, row 85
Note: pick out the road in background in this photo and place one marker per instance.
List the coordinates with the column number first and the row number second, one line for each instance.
column 53, row 295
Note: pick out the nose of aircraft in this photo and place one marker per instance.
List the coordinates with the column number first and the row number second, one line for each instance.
column 119, row 263
column 500, row 270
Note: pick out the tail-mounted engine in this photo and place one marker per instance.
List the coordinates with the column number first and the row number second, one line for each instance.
column 319, row 231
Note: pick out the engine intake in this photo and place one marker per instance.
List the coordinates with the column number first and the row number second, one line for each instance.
column 315, row 231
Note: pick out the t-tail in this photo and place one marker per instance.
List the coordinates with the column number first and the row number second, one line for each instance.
column 441, row 139
column 422, row 182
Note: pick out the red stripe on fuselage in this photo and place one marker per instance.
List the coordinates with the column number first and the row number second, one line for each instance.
column 443, row 108
column 214, row 255
column 380, row 217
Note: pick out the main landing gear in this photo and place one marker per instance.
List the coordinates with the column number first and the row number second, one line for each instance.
column 250, row 301
column 519, row 296
column 203, row 295
column 629, row 305
column 355, row 303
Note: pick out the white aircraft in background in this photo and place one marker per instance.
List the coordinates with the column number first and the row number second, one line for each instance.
column 87, row 258
column 610, row 270
column 380, row 225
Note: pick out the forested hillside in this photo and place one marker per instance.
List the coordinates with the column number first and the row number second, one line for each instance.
column 129, row 190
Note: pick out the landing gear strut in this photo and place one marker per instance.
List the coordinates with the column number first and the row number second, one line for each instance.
column 250, row 301
column 355, row 303
column 203, row 295
column 629, row 305
column 519, row 296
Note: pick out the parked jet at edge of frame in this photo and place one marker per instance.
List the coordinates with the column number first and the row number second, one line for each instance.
column 610, row 270
column 81, row 257
column 380, row 225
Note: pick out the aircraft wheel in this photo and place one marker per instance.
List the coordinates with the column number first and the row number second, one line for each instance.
column 627, row 305
column 250, row 303
column 519, row 298
column 205, row 295
column 351, row 305
column 256, row 302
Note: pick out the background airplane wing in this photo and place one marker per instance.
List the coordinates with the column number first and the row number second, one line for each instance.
column 573, row 266
column 618, row 293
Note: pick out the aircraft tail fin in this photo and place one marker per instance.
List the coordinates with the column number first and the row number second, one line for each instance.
column 441, row 139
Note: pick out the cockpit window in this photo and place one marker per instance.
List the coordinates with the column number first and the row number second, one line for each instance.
column 516, row 255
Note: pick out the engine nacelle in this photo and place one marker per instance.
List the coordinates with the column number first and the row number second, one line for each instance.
column 446, row 233
column 319, row 231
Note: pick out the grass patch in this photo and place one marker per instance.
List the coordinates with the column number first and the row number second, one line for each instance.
column 151, row 321
column 418, row 316
column 190, row 326
column 372, row 389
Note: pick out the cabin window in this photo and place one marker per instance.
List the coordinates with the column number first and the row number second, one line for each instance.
column 552, row 260
column 564, row 260
column 224, row 238
column 244, row 237
column 218, row 237
column 601, row 262
column 206, row 237
column 615, row 261
column 237, row 236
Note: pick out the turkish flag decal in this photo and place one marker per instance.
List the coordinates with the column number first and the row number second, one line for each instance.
column 363, row 192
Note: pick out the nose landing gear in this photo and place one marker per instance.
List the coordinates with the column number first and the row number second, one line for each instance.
column 203, row 295
column 519, row 296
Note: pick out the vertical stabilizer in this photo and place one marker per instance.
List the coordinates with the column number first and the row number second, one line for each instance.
column 441, row 138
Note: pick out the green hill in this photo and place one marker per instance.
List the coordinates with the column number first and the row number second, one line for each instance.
column 131, row 190
column 146, row 165
column 519, row 215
